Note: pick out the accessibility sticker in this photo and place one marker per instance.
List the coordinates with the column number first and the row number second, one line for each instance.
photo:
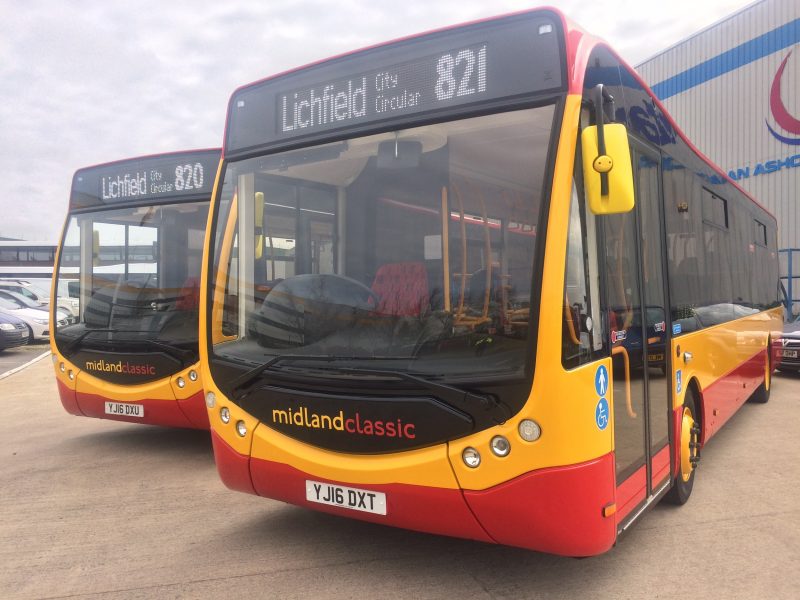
column 678, row 382
column 601, row 380
column 601, row 414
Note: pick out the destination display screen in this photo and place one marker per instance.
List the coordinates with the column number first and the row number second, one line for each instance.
column 449, row 70
column 168, row 176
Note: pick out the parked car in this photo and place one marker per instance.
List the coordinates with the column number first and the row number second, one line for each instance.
column 28, row 303
column 37, row 320
column 13, row 332
column 38, row 292
column 786, row 349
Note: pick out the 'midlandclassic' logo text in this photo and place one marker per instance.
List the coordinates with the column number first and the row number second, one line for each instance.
column 120, row 367
column 300, row 417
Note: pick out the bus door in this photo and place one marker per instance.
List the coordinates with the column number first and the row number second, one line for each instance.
column 635, row 300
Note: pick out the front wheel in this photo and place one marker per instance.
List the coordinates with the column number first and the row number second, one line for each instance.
column 689, row 441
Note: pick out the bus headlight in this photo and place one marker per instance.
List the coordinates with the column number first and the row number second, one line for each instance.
column 241, row 428
column 529, row 430
column 471, row 457
column 211, row 399
column 193, row 375
column 181, row 382
column 500, row 446
column 225, row 415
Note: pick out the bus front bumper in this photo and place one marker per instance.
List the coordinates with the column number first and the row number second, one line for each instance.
column 558, row 510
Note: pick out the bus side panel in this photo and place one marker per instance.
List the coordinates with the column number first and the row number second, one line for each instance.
column 69, row 399
column 233, row 468
column 725, row 396
column 556, row 510
column 420, row 508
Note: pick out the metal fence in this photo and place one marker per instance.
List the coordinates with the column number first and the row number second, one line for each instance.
column 790, row 277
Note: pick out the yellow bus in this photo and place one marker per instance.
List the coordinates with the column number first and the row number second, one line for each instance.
column 477, row 283
column 130, row 253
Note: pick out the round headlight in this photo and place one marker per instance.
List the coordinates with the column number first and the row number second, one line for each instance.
column 225, row 415
column 62, row 367
column 181, row 382
column 241, row 428
column 529, row 430
column 471, row 457
column 192, row 375
column 500, row 446
column 211, row 399
column 71, row 375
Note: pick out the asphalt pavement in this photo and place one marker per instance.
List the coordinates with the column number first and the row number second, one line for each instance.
column 98, row 509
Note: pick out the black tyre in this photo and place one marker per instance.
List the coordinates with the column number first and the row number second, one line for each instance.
column 688, row 440
column 761, row 395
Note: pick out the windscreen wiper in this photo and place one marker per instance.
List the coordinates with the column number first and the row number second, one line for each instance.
column 464, row 400
column 67, row 350
column 249, row 376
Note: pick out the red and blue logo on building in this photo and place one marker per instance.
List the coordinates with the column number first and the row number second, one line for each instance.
column 780, row 114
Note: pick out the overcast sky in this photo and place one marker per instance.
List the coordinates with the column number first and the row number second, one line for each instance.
column 88, row 82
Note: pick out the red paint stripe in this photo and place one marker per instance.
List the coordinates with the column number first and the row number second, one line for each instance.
column 420, row 508
column 233, row 468
column 660, row 468
column 557, row 510
column 727, row 394
column 166, row 413
column 631, row 492
column 194, row 407
column 68, row 399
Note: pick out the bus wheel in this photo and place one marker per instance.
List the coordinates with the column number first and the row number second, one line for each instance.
column 688, row 440
column 761, row 395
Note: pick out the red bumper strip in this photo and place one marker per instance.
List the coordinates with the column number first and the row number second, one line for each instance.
column 421, row 508
column 68, row 399
column 233, row 468
column 156, row 412
column 194, row 407
column 557, row 510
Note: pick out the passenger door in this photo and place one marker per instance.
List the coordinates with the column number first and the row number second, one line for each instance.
column 635, row 301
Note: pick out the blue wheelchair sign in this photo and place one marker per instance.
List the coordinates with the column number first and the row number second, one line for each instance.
column 601, row 414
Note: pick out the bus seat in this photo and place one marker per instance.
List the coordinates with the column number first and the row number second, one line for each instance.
column 402, row 289
column 189, row 296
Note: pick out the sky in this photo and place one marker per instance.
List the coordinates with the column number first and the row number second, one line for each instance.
column 83, row 82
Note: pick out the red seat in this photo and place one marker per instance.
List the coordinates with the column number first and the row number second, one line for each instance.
column 189, row 297
column 402, row 289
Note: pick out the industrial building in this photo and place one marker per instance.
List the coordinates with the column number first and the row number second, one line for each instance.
column 734, row 89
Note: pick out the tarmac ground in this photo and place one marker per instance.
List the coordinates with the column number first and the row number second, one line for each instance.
column 101, row 509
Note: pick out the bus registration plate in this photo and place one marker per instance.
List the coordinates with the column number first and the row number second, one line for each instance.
column 790, row 353
column 346, row 497
column 123, row 409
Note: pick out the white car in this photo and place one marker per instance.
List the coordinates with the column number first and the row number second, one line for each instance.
column 37, row 320
column 38, row 291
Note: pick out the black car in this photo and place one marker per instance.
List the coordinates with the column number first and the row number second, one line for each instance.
column 13, row 332
column 786, row 349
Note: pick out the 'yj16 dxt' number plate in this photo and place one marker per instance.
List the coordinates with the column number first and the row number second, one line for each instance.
column 346, row 497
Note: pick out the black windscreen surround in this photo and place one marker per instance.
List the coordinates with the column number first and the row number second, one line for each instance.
column 171, row 176
column 454, row 70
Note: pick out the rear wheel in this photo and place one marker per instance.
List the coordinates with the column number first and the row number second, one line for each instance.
column 761, row 395
column 689, row 446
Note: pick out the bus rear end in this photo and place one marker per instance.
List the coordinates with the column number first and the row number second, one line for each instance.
column 131, row 254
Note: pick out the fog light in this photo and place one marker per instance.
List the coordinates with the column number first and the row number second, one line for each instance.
column 500, row 446
column 192, row 375
column 529, row 430
column 63, row 367
column 211, row 399
column 241, row 428
column 71, row 375
column 181, row 382
column 472, row 458
column 225, row 414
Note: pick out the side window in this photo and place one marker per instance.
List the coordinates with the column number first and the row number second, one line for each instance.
column 581, row 336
